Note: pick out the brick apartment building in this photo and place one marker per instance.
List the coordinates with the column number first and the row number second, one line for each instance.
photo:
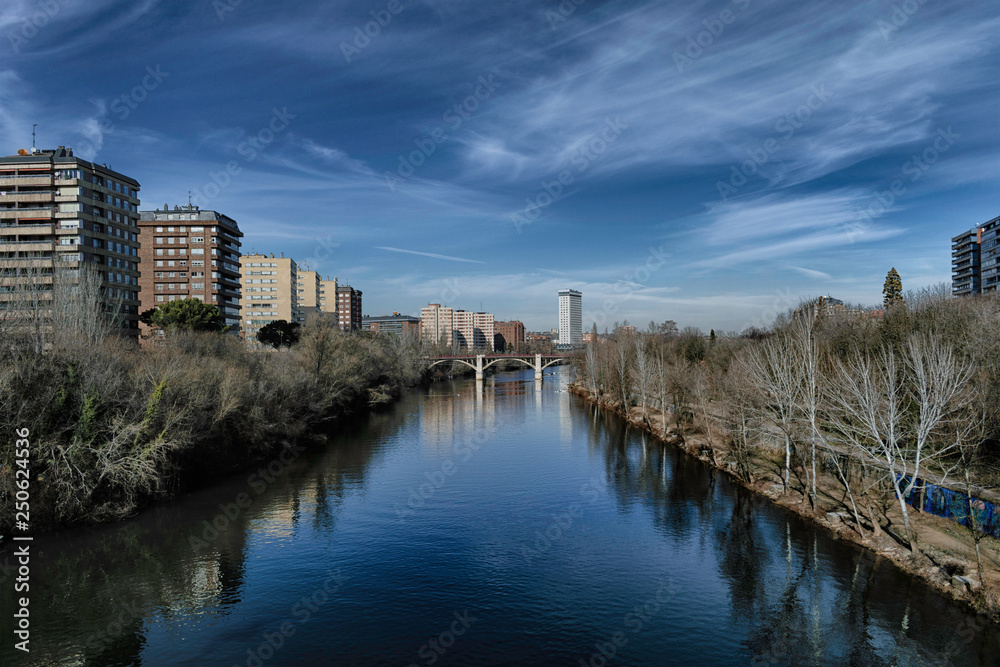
column 348, row 307
column 190, row 253
column 511, row 332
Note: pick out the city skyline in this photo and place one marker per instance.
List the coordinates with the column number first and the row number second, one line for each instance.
column 624, row 129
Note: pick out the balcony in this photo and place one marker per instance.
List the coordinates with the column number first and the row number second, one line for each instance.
column 28, row 212
column 8, row 181
column 33, row 246
column 6, row 196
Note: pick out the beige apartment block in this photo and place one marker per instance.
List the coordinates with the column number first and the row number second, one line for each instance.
column 328, row 296
column 437, row 324
column 58, row 213
column 474, row 331
column 270, row 291
column 463, row 329
column 190, row 253
column 309, row 294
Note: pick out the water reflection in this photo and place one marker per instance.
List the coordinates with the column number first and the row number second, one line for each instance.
column 802, row 597
column 208, row 572
column 95, row 592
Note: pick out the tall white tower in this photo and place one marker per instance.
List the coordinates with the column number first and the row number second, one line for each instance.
column 570, row 317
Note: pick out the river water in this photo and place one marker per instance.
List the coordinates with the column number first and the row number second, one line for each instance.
column 507, row 525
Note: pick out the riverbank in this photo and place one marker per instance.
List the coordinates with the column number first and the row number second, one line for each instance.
column 948, row 561
column 113, row 427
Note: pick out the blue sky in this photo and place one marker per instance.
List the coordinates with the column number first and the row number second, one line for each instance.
column 707, row 162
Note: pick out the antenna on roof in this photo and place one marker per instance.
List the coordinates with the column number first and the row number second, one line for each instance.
column 33, row 126
column 189, row 198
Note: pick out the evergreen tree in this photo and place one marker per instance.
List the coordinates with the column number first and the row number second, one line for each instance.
column 187, row 315
column 278, row 333
column 892, row 291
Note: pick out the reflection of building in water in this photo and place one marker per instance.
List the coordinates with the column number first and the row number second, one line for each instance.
column 437, row 419
column 565, row 421
column 466, row 416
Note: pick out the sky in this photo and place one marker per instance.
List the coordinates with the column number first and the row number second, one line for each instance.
column 712, row 163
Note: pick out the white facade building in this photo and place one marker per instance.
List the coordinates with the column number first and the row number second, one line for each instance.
column 570, row 317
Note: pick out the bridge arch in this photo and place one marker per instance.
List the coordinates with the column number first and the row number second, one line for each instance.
column 523, row 361
column 461, row 361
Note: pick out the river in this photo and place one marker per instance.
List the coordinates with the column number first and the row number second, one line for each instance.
column 508, row 525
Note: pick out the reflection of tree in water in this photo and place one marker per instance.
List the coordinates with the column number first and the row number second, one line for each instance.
column 97, row 588
column 804, row 599
column 676, row 490
column 741, row 558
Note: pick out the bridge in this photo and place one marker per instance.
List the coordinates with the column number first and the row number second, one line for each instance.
column 480, row 362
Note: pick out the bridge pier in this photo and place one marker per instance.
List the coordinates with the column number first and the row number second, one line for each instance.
column 538, row 367
column 479, row 368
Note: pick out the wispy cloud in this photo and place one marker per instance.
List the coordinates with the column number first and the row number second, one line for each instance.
column 811, row 273
column 431, row 254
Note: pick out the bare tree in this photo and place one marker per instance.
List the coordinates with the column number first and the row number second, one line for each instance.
column 773, row 368
column 592, row 367
column 873, row 394
column 643, row 372
column 662, row 387
column 623, row 367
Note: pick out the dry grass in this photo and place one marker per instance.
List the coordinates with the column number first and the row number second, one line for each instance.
column 114, row 426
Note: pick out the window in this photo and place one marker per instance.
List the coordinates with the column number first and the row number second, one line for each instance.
column 170, row 239
column 159, row 298
column 197, row 251
column 159, row 251
column 159, row 274
column 159, row 239
column 159, row 262
column 197, row 229
column 159, row 286
column 197, row 239
column 171, row 251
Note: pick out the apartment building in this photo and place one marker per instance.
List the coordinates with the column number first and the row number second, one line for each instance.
column 511, row 332
column 966, row 262
column 477, row 329
column 462, row 329
column 59, row 213
column 975, row 259
column 328, row 297
column 437, row 324
column 349, row 308
column 570, row 317
column 308, row 289
column 270, row 291
column 190, row 253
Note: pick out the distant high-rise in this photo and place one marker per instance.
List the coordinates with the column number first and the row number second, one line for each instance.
column 441, row 325
column 349, row 308
column 570, row 317
column 437, row 323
